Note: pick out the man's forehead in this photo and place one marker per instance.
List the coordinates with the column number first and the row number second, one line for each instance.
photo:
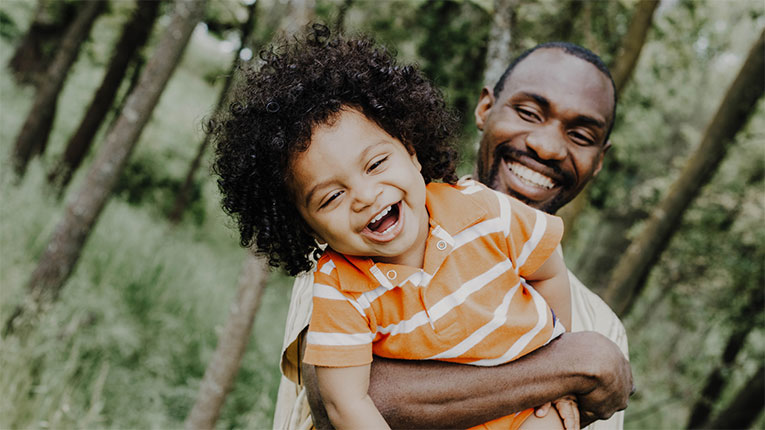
column 563, row 79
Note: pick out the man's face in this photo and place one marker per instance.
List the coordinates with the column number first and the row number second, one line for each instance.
column 543, row 136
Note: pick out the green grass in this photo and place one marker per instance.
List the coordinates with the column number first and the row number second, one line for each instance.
column 128, row 341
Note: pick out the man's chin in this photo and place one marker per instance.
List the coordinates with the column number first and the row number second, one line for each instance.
column 549, row 205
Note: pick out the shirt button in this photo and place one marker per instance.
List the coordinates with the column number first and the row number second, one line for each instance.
column 441, row 245
column 391, row 274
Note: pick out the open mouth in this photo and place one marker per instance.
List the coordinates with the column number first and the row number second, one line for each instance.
column 386, row 225
column 385, row 220
column 530, row 177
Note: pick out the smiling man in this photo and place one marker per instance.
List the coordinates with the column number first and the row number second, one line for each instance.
column 546, row 125
column 545, row 132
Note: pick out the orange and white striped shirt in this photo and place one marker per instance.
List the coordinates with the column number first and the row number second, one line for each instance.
column 468, row 304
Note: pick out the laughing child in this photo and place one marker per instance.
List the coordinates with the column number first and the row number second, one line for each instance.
column 330, row 141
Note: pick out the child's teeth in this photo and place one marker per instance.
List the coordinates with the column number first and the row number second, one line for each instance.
column 380, row 215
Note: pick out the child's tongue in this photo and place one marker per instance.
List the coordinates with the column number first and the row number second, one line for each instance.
column 385, row 222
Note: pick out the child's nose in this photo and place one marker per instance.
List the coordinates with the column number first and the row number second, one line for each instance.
column 365, row 196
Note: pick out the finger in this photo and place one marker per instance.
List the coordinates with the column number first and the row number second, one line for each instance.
column 542, row 411
column 570, row 414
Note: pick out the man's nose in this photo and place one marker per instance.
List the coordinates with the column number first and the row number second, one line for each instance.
column 547, row 142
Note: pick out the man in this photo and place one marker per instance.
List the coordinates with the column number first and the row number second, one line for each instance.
column 545, row 132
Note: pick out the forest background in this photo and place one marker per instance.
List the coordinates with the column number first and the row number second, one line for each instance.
column 122, row 338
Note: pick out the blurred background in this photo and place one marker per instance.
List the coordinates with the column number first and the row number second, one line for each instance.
column 118, row 269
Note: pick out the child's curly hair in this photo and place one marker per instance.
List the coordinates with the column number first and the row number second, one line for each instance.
column 299, row 86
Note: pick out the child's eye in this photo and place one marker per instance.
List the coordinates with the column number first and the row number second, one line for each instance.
column 330, row 199
column 376, row 164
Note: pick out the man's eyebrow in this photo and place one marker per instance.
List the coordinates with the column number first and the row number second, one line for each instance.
column 588, row 120
column 541, row 100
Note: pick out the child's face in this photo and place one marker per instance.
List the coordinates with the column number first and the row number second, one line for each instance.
column 361, row 191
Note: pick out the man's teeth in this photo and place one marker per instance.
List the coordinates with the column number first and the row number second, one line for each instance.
column 381, row 214
column 530, row 176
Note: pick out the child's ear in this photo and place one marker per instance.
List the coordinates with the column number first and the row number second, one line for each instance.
column 415, row 161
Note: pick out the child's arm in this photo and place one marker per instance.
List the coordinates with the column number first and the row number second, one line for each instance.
column 551, row 281
column 344, row 392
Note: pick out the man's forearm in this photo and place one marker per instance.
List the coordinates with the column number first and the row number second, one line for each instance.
column 433, row 394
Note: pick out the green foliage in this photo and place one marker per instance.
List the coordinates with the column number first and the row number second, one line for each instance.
column 129, row 340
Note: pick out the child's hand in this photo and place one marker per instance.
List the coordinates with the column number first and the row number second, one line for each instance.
column 568, row 412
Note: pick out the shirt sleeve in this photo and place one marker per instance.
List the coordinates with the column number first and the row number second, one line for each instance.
column 339, row 334
column 532, row 237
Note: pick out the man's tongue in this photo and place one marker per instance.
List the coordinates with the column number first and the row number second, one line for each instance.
column 385, row 222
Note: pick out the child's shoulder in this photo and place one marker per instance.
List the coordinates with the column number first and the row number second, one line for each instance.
column 479, row 192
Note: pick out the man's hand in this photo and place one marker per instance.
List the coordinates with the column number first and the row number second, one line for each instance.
column 611, row 377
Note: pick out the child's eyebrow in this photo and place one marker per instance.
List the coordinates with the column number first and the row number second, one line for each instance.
column 365, row 153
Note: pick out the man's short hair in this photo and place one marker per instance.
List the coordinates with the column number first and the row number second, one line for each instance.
column 571, row 49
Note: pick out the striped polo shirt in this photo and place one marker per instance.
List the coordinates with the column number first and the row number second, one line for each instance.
column 467, row 304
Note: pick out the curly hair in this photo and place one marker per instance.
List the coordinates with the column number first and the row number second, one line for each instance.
column 300, row 85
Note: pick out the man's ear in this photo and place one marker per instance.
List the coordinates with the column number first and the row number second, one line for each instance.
column 485, row 103
column 606, row 147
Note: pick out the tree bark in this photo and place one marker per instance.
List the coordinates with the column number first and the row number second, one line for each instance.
column 184, row 194
column 569, row 14
column 342, row 11
column 634, row 40
column 716, row 381
column 499, row 47
column 745, row 408
column 628, row 278
column 135, row 33
column 232, row 343
column 64, row 248
column 220, row 373
column 34, row 135
column 33, row 54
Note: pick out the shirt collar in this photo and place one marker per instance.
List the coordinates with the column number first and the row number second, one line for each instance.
column 361, row 274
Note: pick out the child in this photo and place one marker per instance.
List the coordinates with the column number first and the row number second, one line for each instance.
column 331, row 142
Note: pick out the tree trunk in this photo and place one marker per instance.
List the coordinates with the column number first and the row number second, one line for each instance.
column 745, row 408
column 341, row 12
column 34, row 135
column 569, row 14
column 499, row 48
column 629, row 276
column 232, row 343
column 134, row 35
column 621, row 71
column 716, row 381
column 33, row 53
column 64, row 248
column 220, row 373
column 625, row 63
column 184, row 194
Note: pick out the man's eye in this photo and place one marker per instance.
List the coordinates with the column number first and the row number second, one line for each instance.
column 527, row 114
column 581, row 138
column 330, row 199
column 376, row 164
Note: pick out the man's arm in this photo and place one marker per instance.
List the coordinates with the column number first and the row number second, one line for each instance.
column 435, row 394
